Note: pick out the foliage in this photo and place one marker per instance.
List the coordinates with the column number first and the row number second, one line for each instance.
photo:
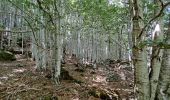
column 110, row 16
column 155, row 43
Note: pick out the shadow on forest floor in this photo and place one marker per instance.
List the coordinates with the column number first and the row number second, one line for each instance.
column 20, row 81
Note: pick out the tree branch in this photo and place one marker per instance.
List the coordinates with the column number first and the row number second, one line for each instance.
column 163, row 6
column 41, row 8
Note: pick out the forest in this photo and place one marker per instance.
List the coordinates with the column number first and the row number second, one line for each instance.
column 84, row 50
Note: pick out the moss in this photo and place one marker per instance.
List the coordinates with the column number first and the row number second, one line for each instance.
column 6, row 56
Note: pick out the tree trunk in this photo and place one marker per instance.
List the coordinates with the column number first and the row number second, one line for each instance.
column 163, row 91
column 156, row 57
column 139, row 54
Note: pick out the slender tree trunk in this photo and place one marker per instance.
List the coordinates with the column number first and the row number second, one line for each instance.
column 163, row 90
column 156, row 57
column 57, row 44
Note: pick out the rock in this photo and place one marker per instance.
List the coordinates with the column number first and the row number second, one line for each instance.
column 82, row 74
column 77, row 81
column 94, row 93
column 49, row 97
column 92, row 72
column 114, row 77
column 48, row 75
column 80, row 67
column 109, row 61
column 89, row 65
column 101, row 94
column 104, row 96
column 6, row 56
column 128, row 68
column 79, row 70
column 65, row 75
column 20, row 65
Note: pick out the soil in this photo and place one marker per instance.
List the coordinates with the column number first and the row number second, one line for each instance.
column 20, row 81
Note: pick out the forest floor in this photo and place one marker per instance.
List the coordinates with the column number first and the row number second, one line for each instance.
column 20, row 81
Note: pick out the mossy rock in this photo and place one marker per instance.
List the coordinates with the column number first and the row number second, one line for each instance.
column 6, row 56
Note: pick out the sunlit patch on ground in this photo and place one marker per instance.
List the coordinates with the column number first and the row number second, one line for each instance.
column 10, row 75
column 75, row 99
column 100, row 79
column 122, row 75
column 1, row 83
column 4, row 78
column 20, row 70
column 21, row 60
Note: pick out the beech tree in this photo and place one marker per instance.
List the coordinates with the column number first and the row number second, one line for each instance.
column 163, row 87
column 146, row 78
column 94, row 31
